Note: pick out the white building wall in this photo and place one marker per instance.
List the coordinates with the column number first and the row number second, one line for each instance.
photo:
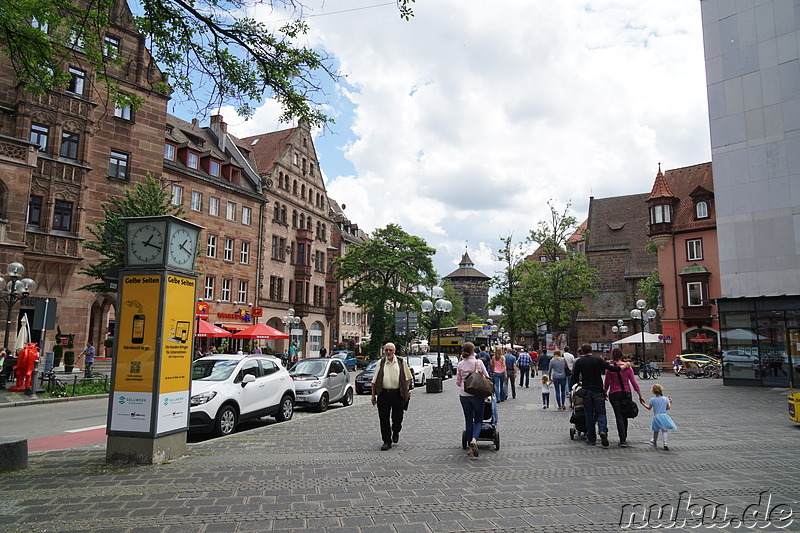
column 753, row 80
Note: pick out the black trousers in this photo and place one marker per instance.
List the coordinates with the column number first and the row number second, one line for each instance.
column 390, row 413
column 616, row 399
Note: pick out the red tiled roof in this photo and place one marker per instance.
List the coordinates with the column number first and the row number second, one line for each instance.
column 660, row 187
column 683, row 182
column 266, row 148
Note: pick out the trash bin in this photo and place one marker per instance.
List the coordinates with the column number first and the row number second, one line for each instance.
column 433, row 385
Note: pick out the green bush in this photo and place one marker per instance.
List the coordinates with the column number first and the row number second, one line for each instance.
column 69, row 357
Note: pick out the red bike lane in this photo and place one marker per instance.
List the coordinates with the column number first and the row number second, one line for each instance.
column 68, row 440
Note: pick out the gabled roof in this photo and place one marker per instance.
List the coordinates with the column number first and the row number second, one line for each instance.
column 266, row 148
column 688, row 183
column 620, row 224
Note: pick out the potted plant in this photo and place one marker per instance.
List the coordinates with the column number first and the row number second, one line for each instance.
column 109, row 344
column 69, row 361
column 58, row 353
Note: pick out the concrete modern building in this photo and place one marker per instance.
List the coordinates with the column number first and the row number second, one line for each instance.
column 753, row 82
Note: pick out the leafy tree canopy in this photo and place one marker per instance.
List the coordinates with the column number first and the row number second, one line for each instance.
column 213, row 45
column 507, row 284
column 145, row 199
column 383, row 274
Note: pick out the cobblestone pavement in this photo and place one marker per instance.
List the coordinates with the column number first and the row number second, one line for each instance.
column 324, row 473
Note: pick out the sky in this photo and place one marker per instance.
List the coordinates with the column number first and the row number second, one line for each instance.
column 460, row 124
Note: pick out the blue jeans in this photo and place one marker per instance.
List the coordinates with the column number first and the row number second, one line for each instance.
column 473, row 415
column 500, row 385
column 594, row 409
column 561, row 387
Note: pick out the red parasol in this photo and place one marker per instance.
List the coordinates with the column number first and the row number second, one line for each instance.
column 260, row 331
column 207, row 329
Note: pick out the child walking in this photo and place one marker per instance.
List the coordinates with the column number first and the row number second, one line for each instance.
column 546, row 386
column 661, row 420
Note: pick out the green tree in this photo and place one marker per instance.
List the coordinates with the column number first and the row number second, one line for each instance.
column 212, row 52
column 553, row 289
column 507, row 284
column 650, row 288
column 145, row 199
column 383, row 274
column 456, row 314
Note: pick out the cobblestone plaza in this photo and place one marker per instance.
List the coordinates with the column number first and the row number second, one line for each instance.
column 735, row 450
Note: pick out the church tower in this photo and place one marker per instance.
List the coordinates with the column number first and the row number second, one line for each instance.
column 472, row 285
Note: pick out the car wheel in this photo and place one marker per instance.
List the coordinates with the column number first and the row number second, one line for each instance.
column 348, row 398
column 286, row 410
column 323, row 403
column 226, row 421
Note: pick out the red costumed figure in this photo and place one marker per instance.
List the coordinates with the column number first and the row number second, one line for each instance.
column 26, row 360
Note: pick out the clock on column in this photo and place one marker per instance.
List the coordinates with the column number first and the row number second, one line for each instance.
column 182, row 245
column 161, row 241
column 145, row 242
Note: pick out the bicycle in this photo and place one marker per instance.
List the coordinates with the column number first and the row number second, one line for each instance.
column 54, row 385
column 648, row 371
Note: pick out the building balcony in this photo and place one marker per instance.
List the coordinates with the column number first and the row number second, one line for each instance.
column 53, row 245
column 697, row 314
column 301, row 309
column 60, row 171
column 304, row 235
column 302, row 272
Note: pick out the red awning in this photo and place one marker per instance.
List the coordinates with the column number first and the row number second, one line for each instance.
column 236, row 327
column 260, row 331
column 207, row 329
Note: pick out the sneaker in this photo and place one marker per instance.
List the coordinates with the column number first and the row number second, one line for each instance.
column 590, row 443
column 623, row 444
column 604, row 439
column 473, row 448
column 666, row 447
column 385, row 446
column 653, row 442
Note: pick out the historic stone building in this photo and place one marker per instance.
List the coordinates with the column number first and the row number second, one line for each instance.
column 473, row 287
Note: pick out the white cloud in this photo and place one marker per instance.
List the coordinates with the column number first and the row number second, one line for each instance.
column 468, row 118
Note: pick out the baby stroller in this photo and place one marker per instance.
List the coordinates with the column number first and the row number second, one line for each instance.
column 489, row 431
column 577, row 419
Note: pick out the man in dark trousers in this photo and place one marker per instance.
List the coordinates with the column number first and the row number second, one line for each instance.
column 588, row 372
column 390, row 392
column 544, row 362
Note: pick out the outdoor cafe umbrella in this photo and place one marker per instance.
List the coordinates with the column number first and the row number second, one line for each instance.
column 636, row 338
column 23, row 335
column 740, row 334
column 207, row 329
column 260, row 331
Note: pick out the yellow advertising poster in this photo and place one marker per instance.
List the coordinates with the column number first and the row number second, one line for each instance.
column 137, row 326
column 178, row 328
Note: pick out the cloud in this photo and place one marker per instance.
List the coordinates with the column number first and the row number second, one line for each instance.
column 461, row 123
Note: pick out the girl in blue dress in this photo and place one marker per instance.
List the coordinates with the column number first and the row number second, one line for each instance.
column 661, row 420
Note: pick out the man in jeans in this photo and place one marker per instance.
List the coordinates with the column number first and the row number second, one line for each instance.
column 588, row 372
column 511, row 365
column 524, row 364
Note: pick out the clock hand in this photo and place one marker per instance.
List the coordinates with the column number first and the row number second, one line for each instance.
column 183, row 246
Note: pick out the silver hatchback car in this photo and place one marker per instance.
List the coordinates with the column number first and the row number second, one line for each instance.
column 321, row 382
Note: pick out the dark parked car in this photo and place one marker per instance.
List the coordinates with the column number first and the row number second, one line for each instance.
column 447, row 370
column 364, row 378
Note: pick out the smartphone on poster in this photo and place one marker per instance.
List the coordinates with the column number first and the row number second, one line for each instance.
column 137, row 336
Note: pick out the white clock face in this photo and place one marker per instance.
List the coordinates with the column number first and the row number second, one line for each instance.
column 182, row 247
column 147, row 243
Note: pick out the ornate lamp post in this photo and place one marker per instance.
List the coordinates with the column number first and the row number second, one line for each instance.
column 493, row 333
column 644, row 318
column 441, row 306
column 620, row 327
column 290, row 321
column 16, row 289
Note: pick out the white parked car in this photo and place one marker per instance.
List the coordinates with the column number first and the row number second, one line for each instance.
column 227, row 389
column 421, row 367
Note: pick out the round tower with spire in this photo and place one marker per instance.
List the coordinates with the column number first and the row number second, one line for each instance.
column 472, row 285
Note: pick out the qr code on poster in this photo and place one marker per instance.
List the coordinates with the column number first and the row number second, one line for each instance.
column 136, row 367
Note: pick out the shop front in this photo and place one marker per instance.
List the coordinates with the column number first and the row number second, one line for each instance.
column 760, row 340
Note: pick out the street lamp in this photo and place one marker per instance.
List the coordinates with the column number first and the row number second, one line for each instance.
column 441, row 306
column 290, row 321
column 493, row 332
column 644, row 318
column 503, row 336
column 16, row 289
column 620, row 327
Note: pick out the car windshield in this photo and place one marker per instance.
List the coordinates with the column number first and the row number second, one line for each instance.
column 414, row 360
column 339, row 356
column 309, row 368
column 213, row 369
column 371, row 367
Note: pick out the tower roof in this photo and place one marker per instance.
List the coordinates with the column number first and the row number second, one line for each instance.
column 660, row 187
column 466, row 269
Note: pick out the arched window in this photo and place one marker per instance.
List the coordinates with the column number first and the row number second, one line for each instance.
column 302, row 221
column 276, row 215
column 319, row 229
column 283, row 214
column 308, row 223
column 294, row 187
column 294, row 218
column 702, row 209
column 303, row 192
column 323, row 232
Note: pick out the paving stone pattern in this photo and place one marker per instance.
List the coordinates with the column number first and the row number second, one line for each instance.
column 325, row 473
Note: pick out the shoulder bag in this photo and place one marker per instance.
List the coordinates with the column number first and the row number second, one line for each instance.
column 477, row 384
column 629, row 408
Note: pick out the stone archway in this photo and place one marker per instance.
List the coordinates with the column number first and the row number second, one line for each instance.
column 102, row 316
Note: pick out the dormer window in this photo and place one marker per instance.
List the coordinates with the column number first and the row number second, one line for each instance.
column 192, row 160
column 701, row 209
column 213, row 168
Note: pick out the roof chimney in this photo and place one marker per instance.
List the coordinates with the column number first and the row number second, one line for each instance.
column 217, row 119
column 195, row 122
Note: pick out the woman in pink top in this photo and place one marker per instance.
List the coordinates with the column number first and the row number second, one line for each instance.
column 618, row 386
column 471, row 404
column 498, row 364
